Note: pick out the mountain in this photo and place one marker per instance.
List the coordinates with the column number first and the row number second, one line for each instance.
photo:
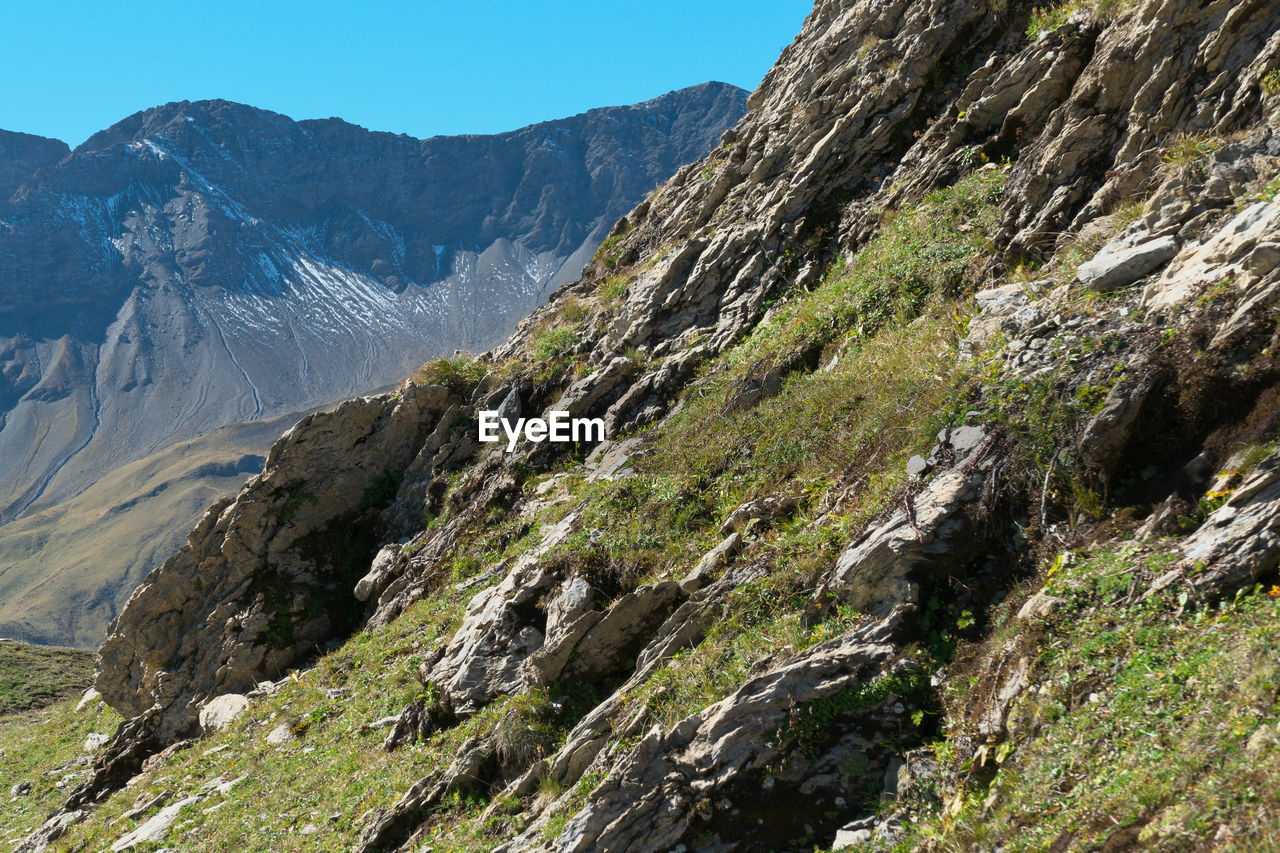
column 938, row 506
column 204, row 264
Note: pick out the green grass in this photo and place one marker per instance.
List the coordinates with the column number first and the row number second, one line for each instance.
column 459, row 373
column 34, row 676
column 329, row 708
column 34, row 743
column 1190, row 149
column 1271, row 83
column 1158, row 716
column 1046, row 19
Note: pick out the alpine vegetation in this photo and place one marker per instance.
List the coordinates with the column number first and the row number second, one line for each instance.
column 934, row 502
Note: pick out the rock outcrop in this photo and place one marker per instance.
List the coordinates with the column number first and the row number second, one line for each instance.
column 268, row 576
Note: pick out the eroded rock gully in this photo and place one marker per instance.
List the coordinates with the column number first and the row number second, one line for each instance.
column 873, row 105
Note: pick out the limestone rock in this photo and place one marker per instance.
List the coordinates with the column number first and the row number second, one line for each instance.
column 221, row 710
column 233, row 607
column 711, row 562
column 880, row 569
column 485, row 655
column 609, row 460
column 1039, row 606
column 379, row 573
column 757, row 512
column 88, row 698
column 155, row 828
column 1240, row 541
column 653, row 798
column 1117, row 266
column 51, row 830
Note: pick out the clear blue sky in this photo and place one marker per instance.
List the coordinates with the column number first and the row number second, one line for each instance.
column 425, row 68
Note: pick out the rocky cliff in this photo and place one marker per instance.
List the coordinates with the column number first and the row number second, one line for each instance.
column 204, row 264
column 938, row 507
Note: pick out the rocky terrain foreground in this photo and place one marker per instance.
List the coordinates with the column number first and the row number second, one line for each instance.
column 940, row 508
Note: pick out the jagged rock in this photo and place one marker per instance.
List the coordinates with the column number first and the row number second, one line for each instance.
column 711, row 562
column 50, row 831
column 145, row 803
column 1112, row 429
column 391, row 827
column 1039, row 606
column 379, row 573
column 155, row 827
column 589, row 644
column 609, row 460
column 510, row 408
column 758, row 512
column 88, row 698
column 918, row 466
column 485, row 655
column 233, row 607
column 583, row 395
column 663, row 792
column 648, row 397
column 220, row 711
column 880, row 569
column 1119, row 265
column 625, row 625
column 95, row 742
column 159, row 758
column 21, row 789
column 1240, row 541
column 1231, row 251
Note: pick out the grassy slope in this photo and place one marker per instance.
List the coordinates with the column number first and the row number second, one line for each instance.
column 1182, row 696
column 66, row 565
column 35, row 744
column 903, row 365
column 1151, row 716
column 34, row 676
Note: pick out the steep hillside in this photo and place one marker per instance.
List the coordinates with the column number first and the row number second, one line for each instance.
column 204, row 264
column 34, row 676
column 938, row 508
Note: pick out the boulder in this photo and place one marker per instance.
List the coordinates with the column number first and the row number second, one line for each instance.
column 936, row 528
column 1240, row 541
column 221, row 710
column 1119, row 265
column 674, row 785
column 757, row 512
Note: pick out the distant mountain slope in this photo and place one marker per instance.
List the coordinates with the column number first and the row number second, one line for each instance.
column 203, row 264
column 65, row 569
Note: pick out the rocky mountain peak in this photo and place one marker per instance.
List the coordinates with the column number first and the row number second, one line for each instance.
column 22, row 155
